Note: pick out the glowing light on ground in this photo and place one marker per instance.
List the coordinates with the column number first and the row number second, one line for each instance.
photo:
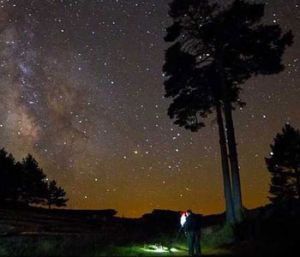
column 159, row 249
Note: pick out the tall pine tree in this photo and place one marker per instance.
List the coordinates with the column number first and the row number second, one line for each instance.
column 222, row 48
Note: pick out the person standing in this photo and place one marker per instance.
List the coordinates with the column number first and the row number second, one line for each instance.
column 192, row 229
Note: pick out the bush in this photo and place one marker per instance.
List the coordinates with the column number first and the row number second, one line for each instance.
column 221, row 236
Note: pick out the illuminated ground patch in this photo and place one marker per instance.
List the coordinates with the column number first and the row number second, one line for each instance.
column 157, row 250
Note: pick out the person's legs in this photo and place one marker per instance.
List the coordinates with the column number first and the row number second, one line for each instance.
column 190, row 243
column 197, row 246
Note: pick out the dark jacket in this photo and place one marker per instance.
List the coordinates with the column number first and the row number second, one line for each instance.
column 192, row 224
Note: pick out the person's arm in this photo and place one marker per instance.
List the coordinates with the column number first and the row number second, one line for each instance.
column 187, row 224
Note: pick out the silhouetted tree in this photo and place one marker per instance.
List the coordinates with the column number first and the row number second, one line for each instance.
column 223, row 48
column 193, row 85
column 34, row 186
column 25, row 183
column 284, row 166
column 55, row 195
column 8, row 177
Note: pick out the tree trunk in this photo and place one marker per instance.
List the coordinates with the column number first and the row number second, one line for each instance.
column 231, row 142
column 230, row 217
column 233, row 156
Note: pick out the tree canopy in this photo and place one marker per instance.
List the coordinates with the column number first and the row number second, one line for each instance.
column 25, row 183
column 205, row 36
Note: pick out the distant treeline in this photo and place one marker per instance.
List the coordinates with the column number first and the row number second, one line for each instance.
column 24, row 183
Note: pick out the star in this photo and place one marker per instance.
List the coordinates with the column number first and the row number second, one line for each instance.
column 82, row 90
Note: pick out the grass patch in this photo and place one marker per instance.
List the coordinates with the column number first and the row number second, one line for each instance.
column 96, row 245
column 48, row 246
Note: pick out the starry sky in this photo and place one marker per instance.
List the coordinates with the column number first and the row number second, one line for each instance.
column 81, row 89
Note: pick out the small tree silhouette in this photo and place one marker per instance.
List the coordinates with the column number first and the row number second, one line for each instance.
column 55, row 195
column 284, row 166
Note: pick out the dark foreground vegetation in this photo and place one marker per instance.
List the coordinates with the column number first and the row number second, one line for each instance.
column 266, row 231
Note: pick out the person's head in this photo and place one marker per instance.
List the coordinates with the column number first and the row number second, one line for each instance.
column 188, row 212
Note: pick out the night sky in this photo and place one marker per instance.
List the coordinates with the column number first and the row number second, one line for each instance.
column 81, row 89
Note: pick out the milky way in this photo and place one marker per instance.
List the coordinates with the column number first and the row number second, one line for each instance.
column 82, row 90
